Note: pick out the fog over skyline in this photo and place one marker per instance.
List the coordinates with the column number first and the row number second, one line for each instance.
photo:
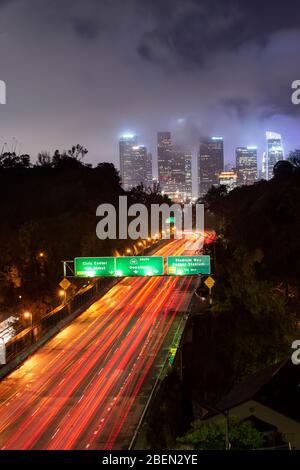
column 90, row 71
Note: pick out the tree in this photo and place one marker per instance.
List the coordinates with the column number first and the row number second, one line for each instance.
column 78, row 152
column 283, row 169
column 294, row 158
column 69, row 160
column 10, row 160
column 44, row 159
column 212, row 436
column 213, row 199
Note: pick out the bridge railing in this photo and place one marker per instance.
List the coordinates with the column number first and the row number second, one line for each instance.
column 32, row 337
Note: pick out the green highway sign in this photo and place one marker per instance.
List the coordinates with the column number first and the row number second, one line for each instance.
column 140, row 266
column 188, row 265
column 94, row 267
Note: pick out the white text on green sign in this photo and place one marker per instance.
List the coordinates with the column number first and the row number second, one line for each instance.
column 188, row 265
column 94, row 267
column 140, row 266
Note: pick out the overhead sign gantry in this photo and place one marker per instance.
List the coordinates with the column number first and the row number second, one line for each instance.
column 141, row 266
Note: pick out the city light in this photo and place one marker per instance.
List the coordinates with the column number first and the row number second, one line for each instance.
column 127, row 136
column 28, row 316
column 150, row 268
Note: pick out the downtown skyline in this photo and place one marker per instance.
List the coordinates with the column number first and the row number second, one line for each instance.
column 182, row 172
column 110, row 70
column 150, row 264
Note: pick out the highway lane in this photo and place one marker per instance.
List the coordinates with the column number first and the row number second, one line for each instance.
column 81, row 390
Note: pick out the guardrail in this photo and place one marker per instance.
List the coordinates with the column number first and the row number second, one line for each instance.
column 31, row 338
column 28, row 340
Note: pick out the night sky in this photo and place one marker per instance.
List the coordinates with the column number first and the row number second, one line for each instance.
column 87, row 71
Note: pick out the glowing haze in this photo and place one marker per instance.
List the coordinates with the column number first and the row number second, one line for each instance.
column 90, row 71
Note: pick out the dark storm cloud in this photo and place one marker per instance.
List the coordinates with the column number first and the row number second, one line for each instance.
column 86, row 28
column 195, row 29
column 88, row 70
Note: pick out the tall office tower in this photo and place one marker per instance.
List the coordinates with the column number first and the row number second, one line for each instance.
column 164, row 159
column 188, row 176
column 126, row 143
column 210, row 163
column 138, row 166
column 274, row 152
column 263, row 173
column 179, row 187
column 246, row 165
column 133, row 162
column 148, row 171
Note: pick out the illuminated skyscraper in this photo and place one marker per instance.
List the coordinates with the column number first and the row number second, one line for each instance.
column 126, row 143
column 210, row 163
column 246, row 165
column 174, row 169
column 180, row 184
column 134, row 162
column 274, row 152
column 188, row 176
column 164, row 159
column 263, row 173
column 148, row 171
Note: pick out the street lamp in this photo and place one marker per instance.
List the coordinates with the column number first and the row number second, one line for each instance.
column 28, row 316
column 63, row 295
column 128, row 251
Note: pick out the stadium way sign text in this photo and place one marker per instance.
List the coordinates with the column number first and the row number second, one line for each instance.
column 188, row 265
column 133, row 221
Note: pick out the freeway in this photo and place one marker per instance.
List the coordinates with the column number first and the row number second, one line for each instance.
column 86, row 387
